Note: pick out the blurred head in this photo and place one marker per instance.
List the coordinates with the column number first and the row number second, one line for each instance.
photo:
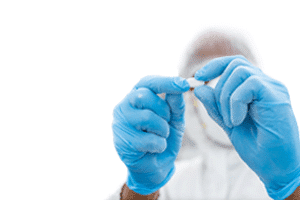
column 208, row 45
column 211, row 44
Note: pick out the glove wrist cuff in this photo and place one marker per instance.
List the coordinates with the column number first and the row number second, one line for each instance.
column 145, row 185
column 286, row 191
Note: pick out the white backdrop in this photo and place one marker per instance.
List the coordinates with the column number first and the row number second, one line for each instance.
column 64, row 65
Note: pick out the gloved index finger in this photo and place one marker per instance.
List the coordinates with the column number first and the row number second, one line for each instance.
column 160, row 84
column 215, row 68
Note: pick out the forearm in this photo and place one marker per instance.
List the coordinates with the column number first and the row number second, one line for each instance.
column 127, row 194
column 295, row 195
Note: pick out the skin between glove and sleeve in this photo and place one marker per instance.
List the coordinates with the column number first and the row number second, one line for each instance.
column 256, row 113
column 148, row 131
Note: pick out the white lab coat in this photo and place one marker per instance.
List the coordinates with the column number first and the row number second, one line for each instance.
column 219, row 175
column 210, row 173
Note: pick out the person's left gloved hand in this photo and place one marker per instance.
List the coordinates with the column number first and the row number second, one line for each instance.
column 255, row 111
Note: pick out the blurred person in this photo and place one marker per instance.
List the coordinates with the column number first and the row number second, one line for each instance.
column 234, row 144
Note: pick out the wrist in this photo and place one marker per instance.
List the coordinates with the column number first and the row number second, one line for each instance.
column 127, row 194
column 148, row 183
column 286, row 191
column 295, row 195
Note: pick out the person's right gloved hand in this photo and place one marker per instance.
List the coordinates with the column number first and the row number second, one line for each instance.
column 255, row 111
column 148, row 131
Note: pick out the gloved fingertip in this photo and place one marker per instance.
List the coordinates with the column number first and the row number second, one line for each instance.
column 161, row 148
column 238, row 113
column 203, row 92
column 199, row 75
column 236, row 122
column 182, row 83
column 228, row 123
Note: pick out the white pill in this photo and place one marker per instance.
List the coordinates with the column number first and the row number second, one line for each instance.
column 194, row 83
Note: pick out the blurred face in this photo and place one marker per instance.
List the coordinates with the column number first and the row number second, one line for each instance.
column 199, row 124
column 207, row 125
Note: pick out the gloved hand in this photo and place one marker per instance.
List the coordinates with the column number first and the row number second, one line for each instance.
column 255, row 111
column 148, row 131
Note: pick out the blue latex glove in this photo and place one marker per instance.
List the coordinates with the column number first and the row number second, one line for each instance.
column 148, row 131
column 255, row 111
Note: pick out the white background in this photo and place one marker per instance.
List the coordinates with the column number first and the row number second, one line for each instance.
column 64, row 65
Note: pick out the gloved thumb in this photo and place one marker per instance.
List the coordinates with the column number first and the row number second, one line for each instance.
column 177, row 122
column 177, row 108
column 207, row 96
